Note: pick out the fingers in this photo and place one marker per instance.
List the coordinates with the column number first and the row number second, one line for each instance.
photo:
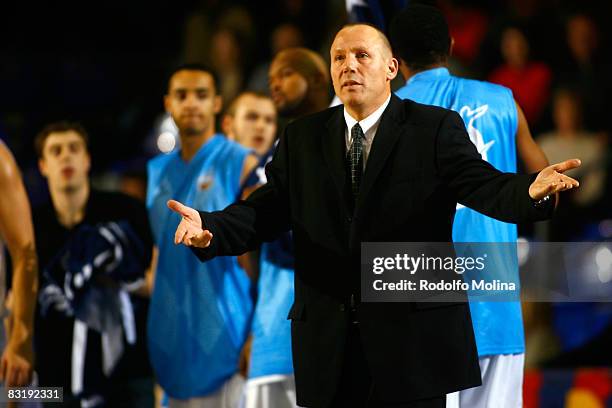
column 180, row 233
column 188, row 235
column 23, row 377
column 179, row 208
column 201, row 240
column 18, row 377
column 566, row 165
column 565, row 183
column 187, row 213
column 551, row 184
column 11, row 376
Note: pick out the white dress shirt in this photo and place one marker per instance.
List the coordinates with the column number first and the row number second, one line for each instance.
column 369, row 126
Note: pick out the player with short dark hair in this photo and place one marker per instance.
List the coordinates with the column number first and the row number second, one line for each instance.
column 200, row 313
column 498, row 129
column 93, row 248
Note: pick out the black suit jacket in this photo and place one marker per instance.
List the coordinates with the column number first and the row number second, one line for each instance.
column 420, row 165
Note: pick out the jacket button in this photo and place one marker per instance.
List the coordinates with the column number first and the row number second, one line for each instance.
column 342, row 307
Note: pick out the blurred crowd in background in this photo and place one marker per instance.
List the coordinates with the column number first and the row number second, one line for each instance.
column 109, row 72
column 106, row 67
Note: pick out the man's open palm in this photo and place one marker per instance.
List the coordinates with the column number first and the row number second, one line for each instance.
column 189, row 231
column 551, row 180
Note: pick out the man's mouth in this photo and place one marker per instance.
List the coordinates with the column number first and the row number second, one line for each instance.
column 350, row 83
column 276, row 97
column 67, row 172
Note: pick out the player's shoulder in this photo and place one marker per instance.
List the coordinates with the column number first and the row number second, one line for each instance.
column 420, row 112
column 476, row 85
column 230, row 146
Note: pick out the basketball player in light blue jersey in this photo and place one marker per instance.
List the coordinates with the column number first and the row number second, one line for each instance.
column 200, row 313
column 497, row 126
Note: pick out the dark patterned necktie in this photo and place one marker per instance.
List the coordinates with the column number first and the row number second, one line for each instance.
column 355, row 156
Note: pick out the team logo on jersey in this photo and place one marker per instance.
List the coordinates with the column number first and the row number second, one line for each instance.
column 469, row 116
column 205, row 181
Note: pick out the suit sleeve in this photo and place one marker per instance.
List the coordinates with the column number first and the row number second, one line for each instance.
column 479, row 185
column 264, row 216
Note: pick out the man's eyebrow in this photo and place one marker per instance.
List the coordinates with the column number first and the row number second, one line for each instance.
column 361, row 47
column 355, row 48
column 276, row 72
column 184, row 90
column 56, row 145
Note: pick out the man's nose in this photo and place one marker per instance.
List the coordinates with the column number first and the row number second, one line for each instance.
column 65, row 154
column 190, row 99
column 274, row 84
column 350, row 63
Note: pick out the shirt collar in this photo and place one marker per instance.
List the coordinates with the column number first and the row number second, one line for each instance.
column 429, row 74
column 367, row 123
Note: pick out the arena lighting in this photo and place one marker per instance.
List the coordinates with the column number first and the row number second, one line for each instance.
column 522, row 249
column 603, row 259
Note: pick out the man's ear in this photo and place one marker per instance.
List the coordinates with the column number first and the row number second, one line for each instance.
column 42, row 167
column 88, row 165
column 392, row 69
column 218, row 104
column 167, row 103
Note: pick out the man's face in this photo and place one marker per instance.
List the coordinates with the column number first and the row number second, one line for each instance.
column 192, row 103
column 65, row 161
column 288, row 87
column 254, row 123
column 361, row 67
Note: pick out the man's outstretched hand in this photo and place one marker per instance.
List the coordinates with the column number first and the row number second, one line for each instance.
column 15, row 368
column 189, row 231
column 551, row 180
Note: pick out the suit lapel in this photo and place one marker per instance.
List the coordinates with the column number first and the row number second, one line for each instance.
column 385, row 139
column 334, row 153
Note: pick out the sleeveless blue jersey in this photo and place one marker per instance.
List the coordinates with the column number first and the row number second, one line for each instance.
column 271, row 348
column 490, row 117
column 200, row 312
column 270, row 330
